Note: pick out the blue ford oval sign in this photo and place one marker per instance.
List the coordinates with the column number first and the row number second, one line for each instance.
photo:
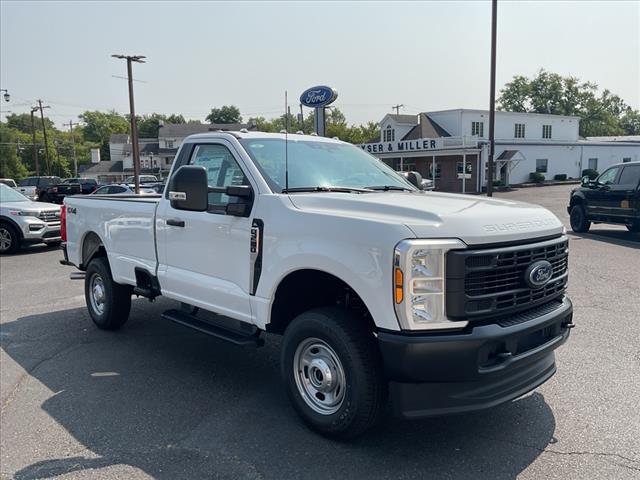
column 320, row 96
column 538, row 274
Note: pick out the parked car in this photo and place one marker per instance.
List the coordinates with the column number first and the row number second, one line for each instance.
column 122, row 189
column 613, row 197
column 448, row 303
column 9, row 182
column 24, row 221
column 424, row 183
column 70, row 186
column 142, row 179
column 32, row 187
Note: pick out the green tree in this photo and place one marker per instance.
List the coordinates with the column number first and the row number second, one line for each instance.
column 600, row 113
column 98, row 127
column 11, row 165
column 22, row 122
column 225, row 114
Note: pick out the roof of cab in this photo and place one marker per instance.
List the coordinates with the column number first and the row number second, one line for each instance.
column 292, row 137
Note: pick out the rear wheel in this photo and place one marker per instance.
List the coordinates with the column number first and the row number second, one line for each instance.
column 634, row 227
column 108, row 302
column 333, row 372
column 9, row 238
column 578, row 218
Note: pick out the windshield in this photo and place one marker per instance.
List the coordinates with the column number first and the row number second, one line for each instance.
column 143, row 178
column 8, row 194
column 320, row 164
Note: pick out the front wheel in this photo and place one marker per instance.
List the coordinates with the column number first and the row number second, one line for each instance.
column 578, row 218
column 109, row 303
column 333, row 372
column 9, row 239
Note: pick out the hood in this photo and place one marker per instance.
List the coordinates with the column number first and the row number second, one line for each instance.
column 473, row 219
column 30, row 206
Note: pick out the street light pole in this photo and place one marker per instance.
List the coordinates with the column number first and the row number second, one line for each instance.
column 73, row 146
column 33, row 135
column 44, row 133
column 132, row 112
column 492, row 98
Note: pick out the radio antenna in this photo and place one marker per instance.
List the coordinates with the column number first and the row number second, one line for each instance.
column 286, row 143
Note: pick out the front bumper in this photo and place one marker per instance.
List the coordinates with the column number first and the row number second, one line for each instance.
column 445, row 373
column 35, row 230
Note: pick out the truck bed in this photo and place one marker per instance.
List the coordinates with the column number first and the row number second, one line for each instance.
column 125, row 226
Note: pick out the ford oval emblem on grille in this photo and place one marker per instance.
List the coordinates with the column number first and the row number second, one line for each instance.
column 538, row 274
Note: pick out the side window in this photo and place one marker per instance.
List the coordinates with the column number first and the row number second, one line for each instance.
column 630, row 175
column 117, row 189
column 222, row 171
column 608, row 177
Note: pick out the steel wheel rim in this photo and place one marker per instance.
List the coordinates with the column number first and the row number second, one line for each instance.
column 319, row 376
column 97, row 294
column 5, row 239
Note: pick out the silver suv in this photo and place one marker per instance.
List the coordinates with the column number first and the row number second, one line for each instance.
column 23, row 221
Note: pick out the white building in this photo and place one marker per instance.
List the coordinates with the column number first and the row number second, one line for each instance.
column 443, row 144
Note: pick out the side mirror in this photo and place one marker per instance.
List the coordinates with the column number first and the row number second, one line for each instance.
column 586, row 181
column 244, row 194
column 415, row 179
column 188, row 189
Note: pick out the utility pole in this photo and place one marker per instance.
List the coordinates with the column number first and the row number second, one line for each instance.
column 73, row 146
column 44, row 132
column 132, row 112
column 33, row 136
column 492, row 97
column 397, row 108
column 301, row 123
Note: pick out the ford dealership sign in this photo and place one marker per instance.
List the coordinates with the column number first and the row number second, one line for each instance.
column 318, row 97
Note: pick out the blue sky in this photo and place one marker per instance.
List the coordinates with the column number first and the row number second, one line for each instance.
column 426, row 55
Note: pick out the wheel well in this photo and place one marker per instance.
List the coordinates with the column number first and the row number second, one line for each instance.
column 576, row 201
column 92, row 247
column 8, row 221
column 304, row 290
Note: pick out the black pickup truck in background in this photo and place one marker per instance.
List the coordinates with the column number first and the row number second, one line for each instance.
column 69, row 186
column 613, row 197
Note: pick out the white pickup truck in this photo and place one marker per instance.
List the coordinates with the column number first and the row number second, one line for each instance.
column 445, row 303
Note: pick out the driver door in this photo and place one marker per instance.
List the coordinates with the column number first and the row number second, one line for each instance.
column 599, row 200
column 204, row 256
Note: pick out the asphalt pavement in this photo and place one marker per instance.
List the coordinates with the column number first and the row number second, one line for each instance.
column 156, row 400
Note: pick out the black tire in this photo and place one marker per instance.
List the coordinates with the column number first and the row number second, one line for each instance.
column 578, row 218
column 365, row 389
column 43, row 198
column 113, row 311
column 9, row 239
column 634, row 228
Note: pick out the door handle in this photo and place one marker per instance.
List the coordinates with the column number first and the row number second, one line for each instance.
column 174, row 222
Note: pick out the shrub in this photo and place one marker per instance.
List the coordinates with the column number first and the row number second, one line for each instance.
column 497, row 183
column 536, row 177
column 560, row 176
column 591, row 173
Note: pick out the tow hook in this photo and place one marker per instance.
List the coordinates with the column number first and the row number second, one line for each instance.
column 568, row 325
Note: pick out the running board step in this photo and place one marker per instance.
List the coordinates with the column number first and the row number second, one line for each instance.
column 237, row 337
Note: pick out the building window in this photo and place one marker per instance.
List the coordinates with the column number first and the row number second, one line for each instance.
column 541, row 165
column 467, row 165
column 546, row 131
column 477, row 128
column 626, row 159
column 519, row 130
column 593, row 164
column 430, row 171
column 389, row 134
column 169, row 143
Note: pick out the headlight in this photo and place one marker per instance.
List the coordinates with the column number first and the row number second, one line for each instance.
column 23, row 213
column 419, row 283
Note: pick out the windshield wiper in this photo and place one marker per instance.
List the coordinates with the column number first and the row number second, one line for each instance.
column 326, row 189
column 386, row 188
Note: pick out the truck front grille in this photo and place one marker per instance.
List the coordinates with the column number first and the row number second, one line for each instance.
column 50, row 215
column 492, row 281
